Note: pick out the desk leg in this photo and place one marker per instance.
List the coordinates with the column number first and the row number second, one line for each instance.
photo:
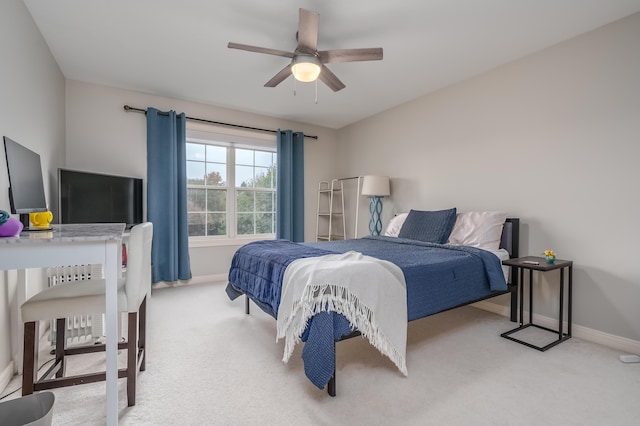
column 569, row 296
column 21, row 296
column 521, row 288
column 111, row 269
column 561, row 314
column 530, row 296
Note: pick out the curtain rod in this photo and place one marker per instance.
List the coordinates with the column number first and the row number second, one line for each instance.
column 202, row 120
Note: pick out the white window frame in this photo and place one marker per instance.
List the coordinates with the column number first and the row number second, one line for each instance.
column 234, row 139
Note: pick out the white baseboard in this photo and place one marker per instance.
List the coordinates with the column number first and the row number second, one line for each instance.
column 493, row 307
column 616, row 342
column 6, row 376
column 210, row 279
column 201, row 279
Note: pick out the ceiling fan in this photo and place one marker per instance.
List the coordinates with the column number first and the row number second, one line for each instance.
column 307, row 63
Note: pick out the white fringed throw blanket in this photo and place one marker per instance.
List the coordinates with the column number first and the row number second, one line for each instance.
column 371, row 293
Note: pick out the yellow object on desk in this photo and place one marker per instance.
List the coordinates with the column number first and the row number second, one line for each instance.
column 41, row 219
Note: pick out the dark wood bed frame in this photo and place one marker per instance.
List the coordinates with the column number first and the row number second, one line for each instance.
column 510, row 241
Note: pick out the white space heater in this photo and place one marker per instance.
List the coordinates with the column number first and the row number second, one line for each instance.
column 80, row 329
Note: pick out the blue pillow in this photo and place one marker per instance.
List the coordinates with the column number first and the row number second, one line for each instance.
column 431, row 227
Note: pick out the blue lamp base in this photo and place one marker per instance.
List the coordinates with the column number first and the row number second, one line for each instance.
column 375, row 210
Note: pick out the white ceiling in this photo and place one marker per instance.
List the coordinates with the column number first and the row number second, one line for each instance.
column 178, row 48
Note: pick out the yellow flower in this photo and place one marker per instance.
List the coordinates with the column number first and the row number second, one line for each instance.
column 549, row 253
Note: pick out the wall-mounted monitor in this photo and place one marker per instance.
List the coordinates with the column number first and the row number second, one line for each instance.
column 26, row 187
column 87, row 197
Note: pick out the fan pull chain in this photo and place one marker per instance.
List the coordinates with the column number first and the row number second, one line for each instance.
column 294, row 87
column 316, row 91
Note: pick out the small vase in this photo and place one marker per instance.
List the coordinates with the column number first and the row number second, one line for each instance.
column 550, row 259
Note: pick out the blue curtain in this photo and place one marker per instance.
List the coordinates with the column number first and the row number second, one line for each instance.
column 290, row 186
column 167, row 195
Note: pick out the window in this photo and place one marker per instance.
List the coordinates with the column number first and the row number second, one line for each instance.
column 255, row 192
column 231, row 188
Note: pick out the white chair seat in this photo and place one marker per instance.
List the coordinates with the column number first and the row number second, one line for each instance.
column 70, row 299
column 87, row 298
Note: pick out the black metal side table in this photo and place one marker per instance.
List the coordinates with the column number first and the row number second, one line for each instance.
column 533, row 263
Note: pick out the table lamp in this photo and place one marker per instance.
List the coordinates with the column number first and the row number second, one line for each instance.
column 375, row 187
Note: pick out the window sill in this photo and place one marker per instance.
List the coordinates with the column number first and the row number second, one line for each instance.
column 197, row 242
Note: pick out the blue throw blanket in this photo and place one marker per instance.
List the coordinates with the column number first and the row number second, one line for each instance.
column 438, row 277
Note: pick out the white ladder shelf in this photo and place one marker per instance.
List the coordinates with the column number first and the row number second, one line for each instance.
column 330, row 224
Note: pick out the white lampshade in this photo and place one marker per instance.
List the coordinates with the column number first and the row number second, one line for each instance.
column 305, row 68
column 376, row 186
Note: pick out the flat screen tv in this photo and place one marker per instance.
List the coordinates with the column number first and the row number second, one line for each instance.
column 26, row 187
column 99, row 198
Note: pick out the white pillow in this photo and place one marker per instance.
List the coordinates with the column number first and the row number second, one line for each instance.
column 478, row 229
column 393, row 229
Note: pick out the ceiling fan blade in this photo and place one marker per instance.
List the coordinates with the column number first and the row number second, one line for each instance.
column 280, row 77
column 257, row 49
column 330, row 79
column 350, row 55
column 308, row 31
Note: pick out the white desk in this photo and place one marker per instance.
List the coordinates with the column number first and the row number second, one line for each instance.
column 78, row 245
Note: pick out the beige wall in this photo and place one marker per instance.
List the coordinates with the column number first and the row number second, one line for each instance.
column 553, row 139
column 32, row 114
column 102, row 137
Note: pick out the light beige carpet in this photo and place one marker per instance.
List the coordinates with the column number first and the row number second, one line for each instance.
column 210, row 364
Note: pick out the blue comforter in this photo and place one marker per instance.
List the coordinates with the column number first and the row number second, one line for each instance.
column 438, row 277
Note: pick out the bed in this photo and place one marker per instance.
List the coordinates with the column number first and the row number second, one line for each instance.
column 438, row 276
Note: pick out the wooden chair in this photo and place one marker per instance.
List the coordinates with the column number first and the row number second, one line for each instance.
column 87, row 298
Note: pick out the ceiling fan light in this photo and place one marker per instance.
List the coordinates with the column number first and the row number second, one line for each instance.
column 305, row 68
